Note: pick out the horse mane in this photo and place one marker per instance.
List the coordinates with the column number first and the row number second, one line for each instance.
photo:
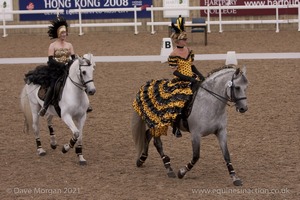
column 219, row 69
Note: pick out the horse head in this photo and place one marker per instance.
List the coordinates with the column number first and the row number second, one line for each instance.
column 84, row 67
column 236, row 89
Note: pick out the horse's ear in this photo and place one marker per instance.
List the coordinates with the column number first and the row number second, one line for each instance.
column 87, row 56
column 244, row 70
column 80, row 60
column 237, row 71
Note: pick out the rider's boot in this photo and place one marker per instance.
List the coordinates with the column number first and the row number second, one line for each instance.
column 48, row 98
column 176, row 131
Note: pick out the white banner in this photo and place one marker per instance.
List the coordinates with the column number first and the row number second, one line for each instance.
column 6, row 5
column 176, row 4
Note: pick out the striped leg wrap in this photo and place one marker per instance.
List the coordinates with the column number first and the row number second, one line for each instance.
column 167, row 161
column 51, row 130
column 72, row 142
column 78, row 150
column 143, row 158
column 230, row 169
column 189, row 166
column 38, row 143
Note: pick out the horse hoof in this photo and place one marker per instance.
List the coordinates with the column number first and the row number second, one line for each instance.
column 65, row 148
column 82, row 163
column 139, row 163
column 238, row 182
column 53, row 146
column 171, row 174
column 181, row 173
column 41, row 152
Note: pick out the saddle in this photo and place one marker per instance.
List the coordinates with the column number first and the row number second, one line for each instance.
column 58, row 88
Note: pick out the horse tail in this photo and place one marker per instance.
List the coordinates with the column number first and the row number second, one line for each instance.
column 138, row 128
column 26, row 109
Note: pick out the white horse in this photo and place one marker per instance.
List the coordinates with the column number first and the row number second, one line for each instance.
column 73, row 104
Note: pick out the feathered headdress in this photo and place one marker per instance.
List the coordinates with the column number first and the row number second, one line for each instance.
column 179, row 33
column 58, row 25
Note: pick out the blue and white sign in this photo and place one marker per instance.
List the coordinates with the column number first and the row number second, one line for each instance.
column 66, row 5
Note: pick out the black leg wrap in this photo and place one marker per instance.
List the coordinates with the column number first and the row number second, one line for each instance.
column 167, row 161
column 72, row 142
column 143, row 158
column 78, row 150
column 51, row 130
column 38, row 143
column 230, row 169
column 189, row 166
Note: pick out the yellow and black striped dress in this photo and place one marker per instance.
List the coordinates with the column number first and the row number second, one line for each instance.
column 159, row 102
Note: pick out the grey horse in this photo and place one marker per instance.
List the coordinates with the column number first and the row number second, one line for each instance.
column 208, row 116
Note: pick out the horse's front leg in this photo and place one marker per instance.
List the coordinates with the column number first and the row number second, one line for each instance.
column 166, row 159
column 78, row 148
column 78, row 151
column 196, row 156
column 53, row 142
column 222, row 137
column 75, row 133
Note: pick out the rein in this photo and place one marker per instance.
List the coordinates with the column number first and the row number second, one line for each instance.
column 80, row 86
column 225, row 99
column 217, row 96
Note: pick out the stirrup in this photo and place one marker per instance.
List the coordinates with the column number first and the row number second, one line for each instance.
column 42, row 112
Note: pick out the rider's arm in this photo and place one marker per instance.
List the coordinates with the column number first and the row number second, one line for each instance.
column 195, row 70
column 72, row 55
column 72, row 50
column 184, row 77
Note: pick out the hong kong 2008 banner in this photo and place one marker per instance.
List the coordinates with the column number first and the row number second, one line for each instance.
column 252, row 12
column 66, row 5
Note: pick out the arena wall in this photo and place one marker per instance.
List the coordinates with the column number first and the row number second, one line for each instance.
column 158, row 16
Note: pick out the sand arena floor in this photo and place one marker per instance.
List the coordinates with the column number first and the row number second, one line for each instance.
column 263, row 142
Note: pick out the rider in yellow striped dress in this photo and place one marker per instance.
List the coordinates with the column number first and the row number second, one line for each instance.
column 160, row 102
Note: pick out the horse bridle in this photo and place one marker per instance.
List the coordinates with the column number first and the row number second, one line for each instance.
column 83, row 84
column 232, row 93
column 232, row 98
